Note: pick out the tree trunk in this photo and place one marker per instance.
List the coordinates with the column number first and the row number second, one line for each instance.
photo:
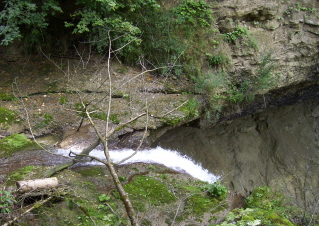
column 125, row 199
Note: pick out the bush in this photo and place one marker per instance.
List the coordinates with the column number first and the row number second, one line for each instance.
column 216, row 190
column 7, row 200
column 215, row 60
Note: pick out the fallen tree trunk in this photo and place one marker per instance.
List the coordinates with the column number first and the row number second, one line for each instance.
column 77, row 158
column 30, row 185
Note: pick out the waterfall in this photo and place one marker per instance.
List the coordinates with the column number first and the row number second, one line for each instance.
column 169, row 158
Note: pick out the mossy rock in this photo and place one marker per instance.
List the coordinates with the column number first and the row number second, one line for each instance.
column 15, row 143
column 263, row 205
column 8, row 116
column 79, row 204
column 6, row 97
column 265, row 198
column 24, row 173
column 199, row 204
column 94, row 171
column 143, row 190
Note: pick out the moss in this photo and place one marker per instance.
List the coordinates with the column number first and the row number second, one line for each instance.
column 79, row 204
column 173, row 120
column 15, row 143
column 24, row 173
column 263, row 197
column 6, row 97
column 63, row 100
column 7, row 116
column 263, row 205
column 199, row 204
column 92, row 171
column 114, row 118
column 148, row 189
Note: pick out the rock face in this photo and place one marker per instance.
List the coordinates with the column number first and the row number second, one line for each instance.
column 288, row 29
column 277, row 148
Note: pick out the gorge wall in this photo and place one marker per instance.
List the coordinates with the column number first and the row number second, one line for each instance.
column 276, row 148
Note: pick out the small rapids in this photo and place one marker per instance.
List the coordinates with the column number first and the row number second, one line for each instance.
column 169, row 158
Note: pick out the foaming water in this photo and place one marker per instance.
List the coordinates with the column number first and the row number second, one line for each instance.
column 170, row 158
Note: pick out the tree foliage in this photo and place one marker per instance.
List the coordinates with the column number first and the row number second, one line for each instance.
column 158, row 33
column 19, row 16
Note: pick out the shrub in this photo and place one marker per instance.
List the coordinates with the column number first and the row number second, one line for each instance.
column 238, row 34
column 215, row 60
column 194, row 13
column 216, row 190
column 7, row 200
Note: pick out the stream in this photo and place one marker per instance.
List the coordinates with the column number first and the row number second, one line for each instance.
column 169, row 158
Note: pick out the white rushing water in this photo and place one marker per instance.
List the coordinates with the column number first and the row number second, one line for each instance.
column 170, row 158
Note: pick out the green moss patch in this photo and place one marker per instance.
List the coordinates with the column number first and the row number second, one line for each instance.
column 199, row 204
column 264, row 207
column 6, row 97
column 15, row 143
column 24, row 173
column 80, row 205
column 7, row 116
column 146, row 189
column 92, row 171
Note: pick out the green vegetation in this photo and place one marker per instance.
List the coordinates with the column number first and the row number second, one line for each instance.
column 21, row 174
column 264, row 207
column 215, row 60
column 92, row 171
column 297, row 8
column 15, row 143
column 144, row 188
column 63, row 100
column 6, row 97
column 191, row 108
column 166, row 34
column 114, row 118
column 7, row 116
column 173, row 120
column 216, row 190
column 265, row 78
column 241, row 33
column 17, row 14
column 7, row 200
column 203, row 198
column 194, row 13
column 80, row 204
column 245, row 88
column 209, row 82
column 47, row 118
